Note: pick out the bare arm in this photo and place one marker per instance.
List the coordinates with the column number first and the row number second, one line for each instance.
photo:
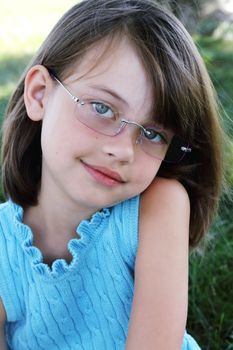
column 2, row 323
column 159, row 308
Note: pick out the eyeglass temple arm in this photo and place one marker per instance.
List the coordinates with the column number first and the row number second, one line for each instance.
column 76, row 99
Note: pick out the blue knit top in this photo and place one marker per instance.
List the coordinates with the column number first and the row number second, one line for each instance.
column 84, row 305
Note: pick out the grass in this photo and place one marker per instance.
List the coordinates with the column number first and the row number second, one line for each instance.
column 218, row 56
column 211, row 277
column 211, row 292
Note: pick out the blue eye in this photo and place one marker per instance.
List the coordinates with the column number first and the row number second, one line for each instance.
column 102, row 110
column 154, row 136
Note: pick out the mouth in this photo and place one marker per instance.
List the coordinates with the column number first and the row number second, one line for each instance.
column 103, row 175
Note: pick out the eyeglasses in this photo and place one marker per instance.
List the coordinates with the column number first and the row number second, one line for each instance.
column 104, row 119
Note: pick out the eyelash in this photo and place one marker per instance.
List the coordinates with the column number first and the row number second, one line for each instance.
column 113, row 110
column 163, row 137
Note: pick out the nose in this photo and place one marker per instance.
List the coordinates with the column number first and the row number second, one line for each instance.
column 122, row 146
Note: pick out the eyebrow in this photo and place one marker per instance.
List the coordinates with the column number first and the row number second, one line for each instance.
column 110, row 92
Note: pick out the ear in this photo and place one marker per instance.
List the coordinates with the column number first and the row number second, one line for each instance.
column 37, row 87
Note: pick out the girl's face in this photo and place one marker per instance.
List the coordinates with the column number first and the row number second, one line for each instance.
column 86, row 168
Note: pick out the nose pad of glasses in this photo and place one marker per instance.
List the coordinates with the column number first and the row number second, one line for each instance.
column 120, row 128
column 139, row 140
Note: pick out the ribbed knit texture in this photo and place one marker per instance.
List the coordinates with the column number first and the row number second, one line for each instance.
column 81, row 306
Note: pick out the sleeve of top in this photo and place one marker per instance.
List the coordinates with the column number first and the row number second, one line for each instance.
column 8, row 270
column 126, row 218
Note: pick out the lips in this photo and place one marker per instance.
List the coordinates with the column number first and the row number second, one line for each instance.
column 105, row 174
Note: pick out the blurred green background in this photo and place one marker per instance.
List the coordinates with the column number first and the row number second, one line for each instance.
column 23, row 26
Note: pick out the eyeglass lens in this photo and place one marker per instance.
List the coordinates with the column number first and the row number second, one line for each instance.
column 171, row 152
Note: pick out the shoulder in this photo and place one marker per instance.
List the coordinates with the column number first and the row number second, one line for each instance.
column 5, row 208
column 11, row 253
column 165, row 202
column 4, row 205
column 124, row 214
column 164, row 220
column 164, row 191
column 6, row 216
column 124, row 225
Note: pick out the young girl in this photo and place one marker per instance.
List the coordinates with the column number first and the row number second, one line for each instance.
column 111, row 163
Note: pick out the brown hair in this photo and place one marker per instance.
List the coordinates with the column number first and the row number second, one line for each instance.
column 183, row 99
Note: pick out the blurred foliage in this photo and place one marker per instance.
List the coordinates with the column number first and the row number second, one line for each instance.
column 218, row 56
column 11, row 67
column 211, row 278
column 210, row 291
column 188, row 11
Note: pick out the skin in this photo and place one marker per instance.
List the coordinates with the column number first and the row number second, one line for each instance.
column 2, row 323
column 161, row 275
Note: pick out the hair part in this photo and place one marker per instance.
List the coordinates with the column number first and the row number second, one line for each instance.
column 184, row 99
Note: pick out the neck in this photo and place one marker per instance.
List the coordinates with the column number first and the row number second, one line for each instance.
column 53, row 225
column 55, row 218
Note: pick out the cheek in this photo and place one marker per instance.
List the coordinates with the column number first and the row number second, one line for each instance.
column 67, row 139
column 147, row 171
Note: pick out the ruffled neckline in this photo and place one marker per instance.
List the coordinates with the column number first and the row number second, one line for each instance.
column 87, row 231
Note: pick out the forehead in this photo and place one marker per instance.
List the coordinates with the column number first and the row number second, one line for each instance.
column 115, row 66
